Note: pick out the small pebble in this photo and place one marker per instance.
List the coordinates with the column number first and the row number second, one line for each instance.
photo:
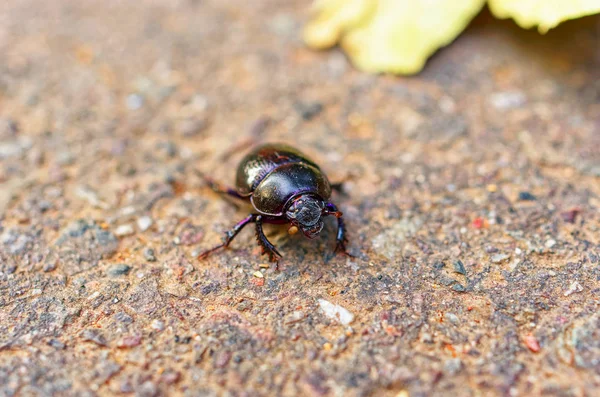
column 573, row 288
column 126, row 387
column 193, row 127
column 170, row 377
column 257, row 274
column 222, row 359
column 532, row 343
column 259, row 282
column 491, row 249
column 507, row 100
column 526, row 196
column 296, row 316
column 149, row 254
column 199, row 103
column 498, row 258
column 129, row 341
column 124, row 230
column 453, row 318
column 119, row 269
column 479, row 223
column 88, row 194
column 50, row 265
column 426, row 337
column 439, row 265
column 65, row 158
column 19, row 246
column 147, row 389
column 452, row 366
column 550, row 243
column 458, row 287
column 124, row 318
column 308, row 110
column 9, row 236
column 55, row 343
column 157, row 325
column 134, row 101
column 105, row 238
column 459, row 267
column 336, row 312
column 144, row 223
column 94, row 335
column 570, row 216
column 15, row 148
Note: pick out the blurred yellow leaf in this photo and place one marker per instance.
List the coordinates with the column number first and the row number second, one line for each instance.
column 402, row 34
column 389, row 35
column 545, row 14
column 333, row 18
column 398, row 36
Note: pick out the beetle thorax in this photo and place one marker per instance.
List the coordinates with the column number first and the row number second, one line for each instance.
column 306, row 212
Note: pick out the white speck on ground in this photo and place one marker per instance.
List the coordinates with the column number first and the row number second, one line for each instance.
column 336, row 312
column 573, row 288
column 124, row 230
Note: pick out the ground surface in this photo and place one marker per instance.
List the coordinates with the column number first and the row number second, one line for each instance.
column 472, row 197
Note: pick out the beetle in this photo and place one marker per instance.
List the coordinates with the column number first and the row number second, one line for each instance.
column 284, row 187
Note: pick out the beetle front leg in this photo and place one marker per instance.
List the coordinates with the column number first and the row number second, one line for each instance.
column 230, row 235
column 340, row 239
column 267, row 247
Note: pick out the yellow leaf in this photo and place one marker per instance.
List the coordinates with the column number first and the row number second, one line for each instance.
column 333, row 18
column 394, row 36
column 398, row 36
column 402, row 34
column 545, row 14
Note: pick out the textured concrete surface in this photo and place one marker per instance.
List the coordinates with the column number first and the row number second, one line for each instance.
column 472, row 197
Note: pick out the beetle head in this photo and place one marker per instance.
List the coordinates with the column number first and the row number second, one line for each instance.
column 306, row 213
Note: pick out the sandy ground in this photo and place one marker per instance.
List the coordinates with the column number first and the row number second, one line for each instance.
column 471, row 195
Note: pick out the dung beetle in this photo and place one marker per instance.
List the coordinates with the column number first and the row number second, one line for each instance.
column 284, row 187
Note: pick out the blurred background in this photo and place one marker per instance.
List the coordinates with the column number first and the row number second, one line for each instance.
column 471, row 186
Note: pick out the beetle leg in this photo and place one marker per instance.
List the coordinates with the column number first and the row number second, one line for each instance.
column 340, row 239
column 267, row 247
column 219, row 188
column 230, row 235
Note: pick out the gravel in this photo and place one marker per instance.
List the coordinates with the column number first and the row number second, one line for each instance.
column 461, row 284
